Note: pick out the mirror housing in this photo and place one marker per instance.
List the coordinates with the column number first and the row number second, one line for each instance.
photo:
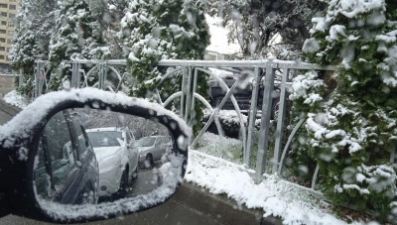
column 19, row 140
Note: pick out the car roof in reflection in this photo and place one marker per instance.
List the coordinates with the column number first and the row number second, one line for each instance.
column 105, row 129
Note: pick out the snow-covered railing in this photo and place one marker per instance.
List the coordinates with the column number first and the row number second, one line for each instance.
column 112, row 75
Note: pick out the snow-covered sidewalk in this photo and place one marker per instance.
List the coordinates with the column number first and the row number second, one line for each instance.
column 275, row 196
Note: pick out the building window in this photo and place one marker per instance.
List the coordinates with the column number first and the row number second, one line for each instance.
column 11, row 15
column 3, row 22
column 3, row 5
column 3, row 14
column 2, row 31
column 11, row 32
column 13, row 0
column 13, row 6
column 10, row 24
column 9, row 41
column 2, row 40
column 2, row 49
column 2, row 57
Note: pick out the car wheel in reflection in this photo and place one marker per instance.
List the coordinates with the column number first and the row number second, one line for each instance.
column 148, row 161
column 135, row 174
column 122, row 192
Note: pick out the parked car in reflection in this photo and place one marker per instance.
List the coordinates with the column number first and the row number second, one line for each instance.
column 117, row 156
column 152, row 149
column 67, row 169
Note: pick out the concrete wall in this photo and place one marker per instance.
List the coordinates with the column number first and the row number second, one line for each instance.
column 6, row 85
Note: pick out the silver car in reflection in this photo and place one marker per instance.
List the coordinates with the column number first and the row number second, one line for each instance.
column 152, row 149
column 117, row 157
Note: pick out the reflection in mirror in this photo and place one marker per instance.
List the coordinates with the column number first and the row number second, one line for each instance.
column 89, row 156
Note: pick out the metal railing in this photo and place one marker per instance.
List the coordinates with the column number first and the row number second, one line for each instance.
column 264, row 73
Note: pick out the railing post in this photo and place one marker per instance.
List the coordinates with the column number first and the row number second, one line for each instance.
column 189, row 96
column 75, row 75
column 252, row 118
column 280, row 120
column 192, row 103
column 39, row 79
column 20, row 78
column 183, row 96
column 102, row 76
column 265, row 123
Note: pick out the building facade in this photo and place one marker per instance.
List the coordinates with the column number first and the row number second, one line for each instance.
column 8, row 12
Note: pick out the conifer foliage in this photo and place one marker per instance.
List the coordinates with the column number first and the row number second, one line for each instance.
column 153, row 30
column 77, row 35
column 34, row 23
column 351, row 115
column 57, row 31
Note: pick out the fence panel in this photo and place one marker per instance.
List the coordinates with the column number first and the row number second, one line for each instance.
column 260, row 75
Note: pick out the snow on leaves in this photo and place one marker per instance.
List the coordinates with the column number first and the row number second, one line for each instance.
column 351, row 118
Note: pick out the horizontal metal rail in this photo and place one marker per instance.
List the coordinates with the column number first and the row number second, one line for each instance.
column 274, row 63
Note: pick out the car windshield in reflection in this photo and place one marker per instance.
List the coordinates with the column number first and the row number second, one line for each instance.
column 146, row 142
column 103, row 138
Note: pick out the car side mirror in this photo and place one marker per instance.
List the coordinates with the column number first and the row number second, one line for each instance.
column 89, row 185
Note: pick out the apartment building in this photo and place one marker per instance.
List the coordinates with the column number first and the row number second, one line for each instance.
column 8, row 12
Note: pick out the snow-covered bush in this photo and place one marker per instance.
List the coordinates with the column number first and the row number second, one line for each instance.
column 77, row 35
column 153, row 30
column 351, row 116
column 34, row 24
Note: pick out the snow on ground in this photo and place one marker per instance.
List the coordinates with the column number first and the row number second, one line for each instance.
column 13, row 98
column 221, row 147
column 275, row 196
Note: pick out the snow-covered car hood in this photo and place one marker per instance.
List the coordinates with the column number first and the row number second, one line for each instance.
column 103, row 153
column 108, row 157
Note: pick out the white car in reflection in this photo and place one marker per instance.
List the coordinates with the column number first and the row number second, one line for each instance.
column 117, row 157
column 152, row 149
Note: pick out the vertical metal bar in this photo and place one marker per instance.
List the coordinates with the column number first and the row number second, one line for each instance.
column 192, row 102
column 184, row 75
column 38, row 79
column 252, row 117
column 265, row 123
column 188, row 95
column 78, row 81
column 280, row 120
column 102, row 76
column 75, row 74
column 20, row 78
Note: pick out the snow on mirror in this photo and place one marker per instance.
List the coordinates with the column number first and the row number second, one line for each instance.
column 97, row 161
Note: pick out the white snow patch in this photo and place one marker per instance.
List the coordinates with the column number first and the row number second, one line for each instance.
column 275, row 196
column 219, row 41
column 13, row 98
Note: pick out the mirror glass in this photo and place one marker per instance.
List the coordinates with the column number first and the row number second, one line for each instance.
column 89, row 157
